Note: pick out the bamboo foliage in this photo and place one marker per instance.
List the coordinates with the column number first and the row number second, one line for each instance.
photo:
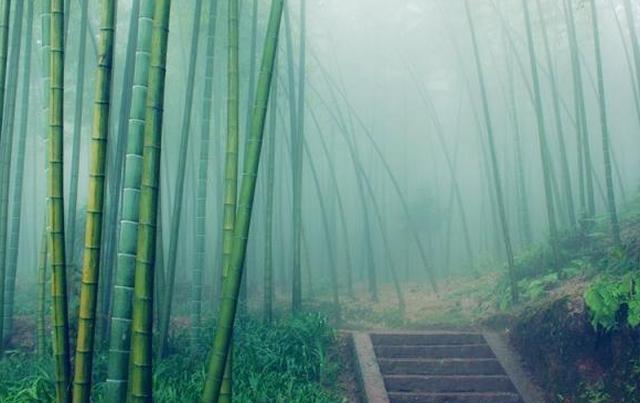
column 120, row 340
column 141, row 381
column 222, row 341
column 95, row 204
column 56, row 208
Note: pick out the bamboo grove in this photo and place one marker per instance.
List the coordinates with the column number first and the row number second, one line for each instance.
column 174, row 167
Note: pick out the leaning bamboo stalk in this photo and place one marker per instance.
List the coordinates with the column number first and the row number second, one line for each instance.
column 222, row 341
column 4, row 51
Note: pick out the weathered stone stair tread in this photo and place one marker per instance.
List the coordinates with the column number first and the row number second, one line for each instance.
column 395, row 397
column 435, row 351
column 445, row 366
column 425, row 339
column 448, row 383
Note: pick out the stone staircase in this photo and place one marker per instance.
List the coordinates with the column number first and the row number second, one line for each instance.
column 433, row 367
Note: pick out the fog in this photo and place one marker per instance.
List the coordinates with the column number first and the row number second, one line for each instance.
column 420, row 160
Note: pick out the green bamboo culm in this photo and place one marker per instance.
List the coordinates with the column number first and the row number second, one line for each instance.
column 297, row 142
column 231, row 166
column 95, row 204
column 120, row 340
column 633, row 34
column 271, row 163
column 178, row 191
column 494, row 160
column 542, row 140
column 6, row 153
column 4, row 51
column 78, row 115
column 203, row 175
column 141, row 382
column 606, row 147
column 45, row 47
column 55, row 194
column 231, row 287
column 586, row 185
column 12, row 252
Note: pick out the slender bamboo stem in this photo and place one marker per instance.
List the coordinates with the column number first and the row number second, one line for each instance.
column 224, row 330
column 56, row 208
column 606, row 151
column 494, row 162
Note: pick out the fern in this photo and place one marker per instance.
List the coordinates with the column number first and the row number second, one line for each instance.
column 608, row 296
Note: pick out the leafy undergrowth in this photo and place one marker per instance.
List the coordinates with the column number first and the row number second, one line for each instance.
column 294, row 360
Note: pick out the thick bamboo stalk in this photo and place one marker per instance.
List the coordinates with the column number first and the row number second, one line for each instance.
column 56, row 208
column 141, row 378
column 95, row 204
column 203, row 175
column 115, row 176
column 120, row 340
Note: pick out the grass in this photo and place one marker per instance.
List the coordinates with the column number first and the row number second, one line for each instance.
column 293, row 360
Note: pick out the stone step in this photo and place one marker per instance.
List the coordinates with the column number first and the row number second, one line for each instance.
column 454, row 398
column 438, row 351
column 448, row 384
column 426, row 339
column 404, row 366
